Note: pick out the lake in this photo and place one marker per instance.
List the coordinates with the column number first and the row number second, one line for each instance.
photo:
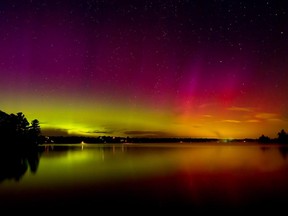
column 166, row 177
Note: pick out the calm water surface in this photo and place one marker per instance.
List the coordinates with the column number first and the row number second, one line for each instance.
column 190, row 177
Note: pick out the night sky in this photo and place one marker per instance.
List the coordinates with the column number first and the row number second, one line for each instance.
column 149, row 68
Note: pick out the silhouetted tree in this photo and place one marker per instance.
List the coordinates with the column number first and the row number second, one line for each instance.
column 264, row 139
column 282, row 137
column 34, row 131
column 16, row 129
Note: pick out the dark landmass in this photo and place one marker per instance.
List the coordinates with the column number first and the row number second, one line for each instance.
column 110, row 139
column 16, row 132
column 281, row 139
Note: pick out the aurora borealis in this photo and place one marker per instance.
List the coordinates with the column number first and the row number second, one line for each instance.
column 154, row 68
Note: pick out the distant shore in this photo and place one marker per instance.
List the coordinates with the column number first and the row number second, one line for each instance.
column 110, row 139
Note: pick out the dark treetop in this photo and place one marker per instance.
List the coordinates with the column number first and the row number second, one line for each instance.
column 16, row 131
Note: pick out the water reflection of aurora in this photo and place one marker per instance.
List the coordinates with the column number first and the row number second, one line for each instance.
column 120, row 161
column 165, row 176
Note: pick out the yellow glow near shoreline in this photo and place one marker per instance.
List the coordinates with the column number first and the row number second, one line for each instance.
column 97, row 118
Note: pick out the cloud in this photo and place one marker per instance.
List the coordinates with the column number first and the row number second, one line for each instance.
column 196, row 126
column 98, row 132
column 231, row 121
column 202, row 106
column 54, row 132
column 275, row 120
column 267, row 116
column 253, row 121
column 148, row 133
column 207, row 116
column 240, row 109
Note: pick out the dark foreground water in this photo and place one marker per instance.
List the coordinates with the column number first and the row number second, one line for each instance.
column 141, row 178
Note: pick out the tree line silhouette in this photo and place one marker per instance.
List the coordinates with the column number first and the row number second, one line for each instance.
column 19, row 141
column 281, row 139
column 112, row 139
column 16, row 130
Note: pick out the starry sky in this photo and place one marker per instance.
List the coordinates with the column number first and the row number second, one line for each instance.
column 149, row 68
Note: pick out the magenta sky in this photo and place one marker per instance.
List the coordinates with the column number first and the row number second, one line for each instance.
column 146, row 68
